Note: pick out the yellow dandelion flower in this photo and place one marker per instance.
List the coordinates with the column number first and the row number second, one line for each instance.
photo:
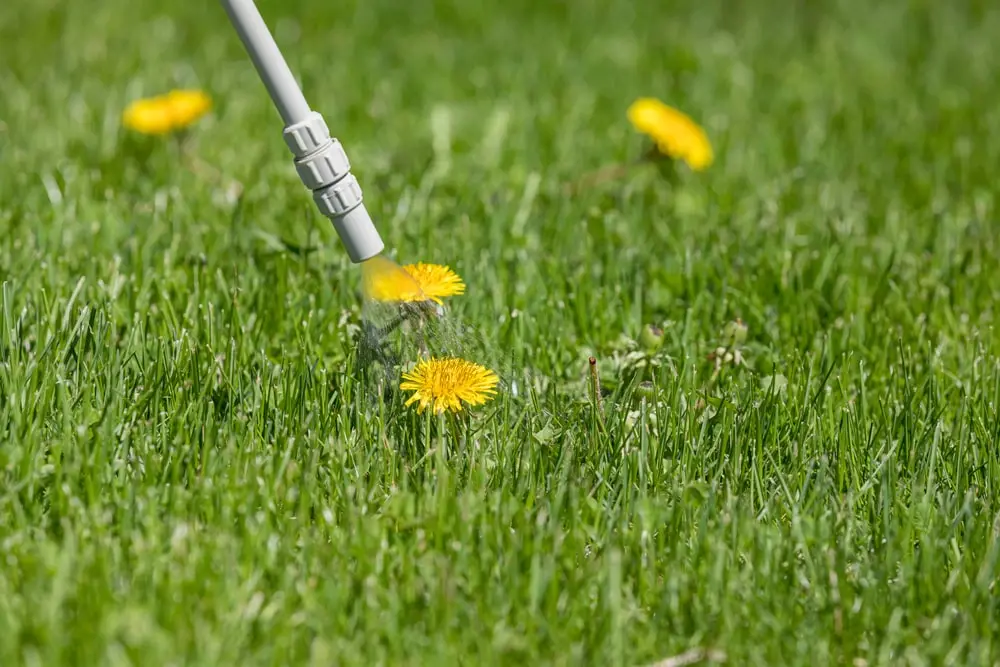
column 166, row 113
column 382, row 280
column 443, row 384
column 436, row 280
column 675, row 134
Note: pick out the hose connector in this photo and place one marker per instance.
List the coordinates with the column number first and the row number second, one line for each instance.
column 323, row 167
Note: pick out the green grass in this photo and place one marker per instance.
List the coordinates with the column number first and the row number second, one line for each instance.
column 192, row 473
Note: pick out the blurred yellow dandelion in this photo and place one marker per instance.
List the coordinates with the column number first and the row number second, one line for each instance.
column 436, row 281
column 385, row 281
column 444, row 384
column 674, row 133
column 166, row 113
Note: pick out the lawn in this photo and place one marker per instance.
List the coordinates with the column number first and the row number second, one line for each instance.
column 199, row 467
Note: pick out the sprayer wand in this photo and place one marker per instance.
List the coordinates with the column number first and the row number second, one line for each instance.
column 320, row 160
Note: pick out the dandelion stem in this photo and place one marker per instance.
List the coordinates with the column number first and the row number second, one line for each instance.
column 595, row 387
column 611, row 172
column 205, row 170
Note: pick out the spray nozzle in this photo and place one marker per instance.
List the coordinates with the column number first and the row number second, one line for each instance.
column 320, row 160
